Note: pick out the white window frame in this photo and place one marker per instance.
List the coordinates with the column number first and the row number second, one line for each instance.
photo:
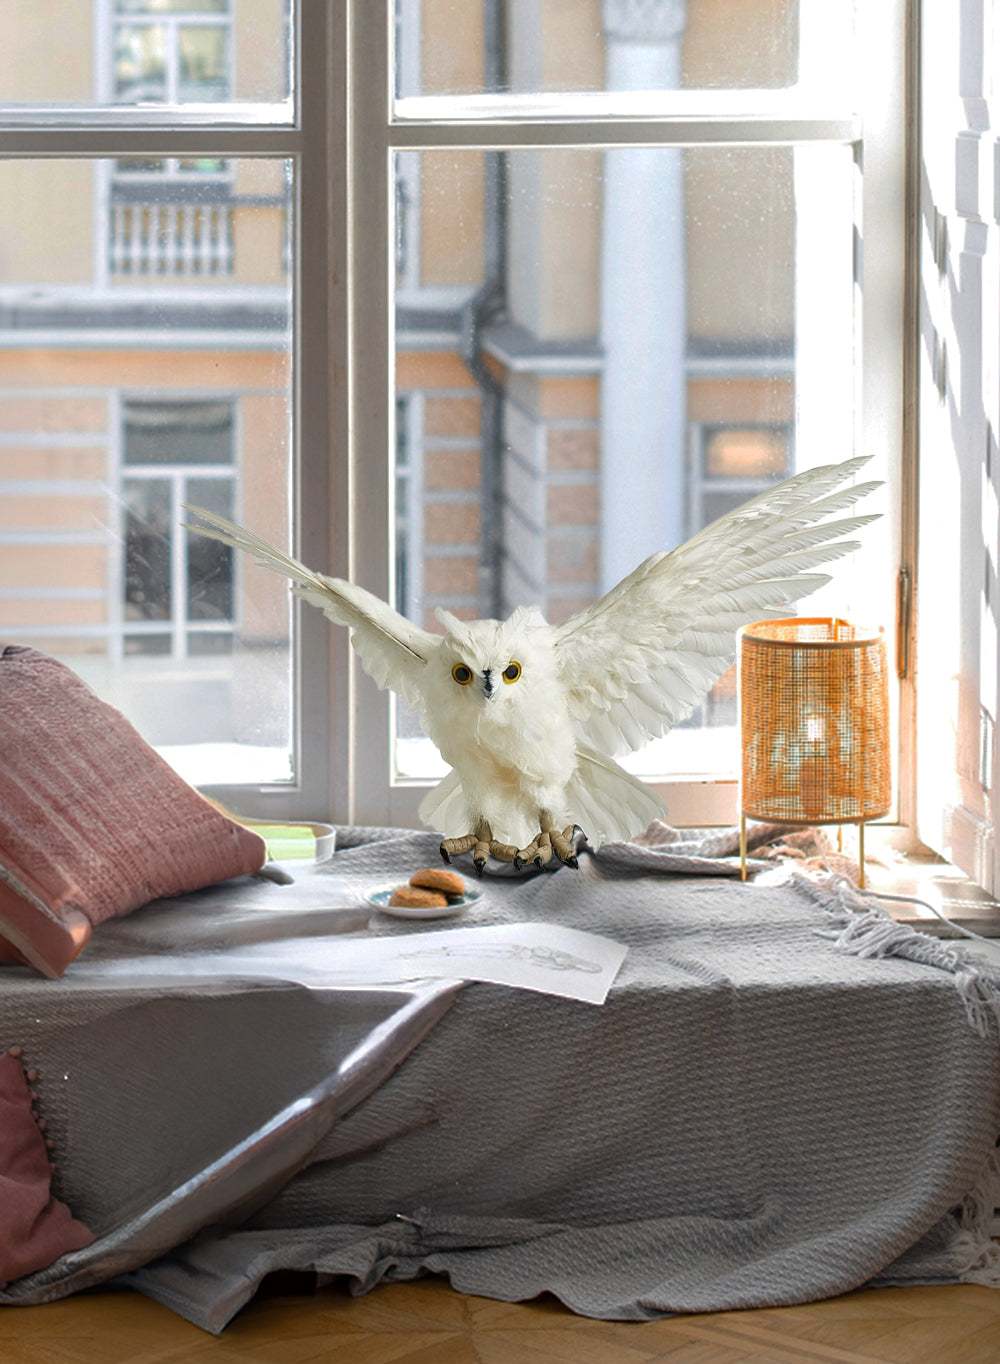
column 343, row 140
column 874, row 125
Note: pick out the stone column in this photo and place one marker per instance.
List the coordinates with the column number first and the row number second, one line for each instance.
column 643, row 304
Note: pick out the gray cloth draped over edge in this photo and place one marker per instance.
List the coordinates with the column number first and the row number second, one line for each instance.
column 759, row 1115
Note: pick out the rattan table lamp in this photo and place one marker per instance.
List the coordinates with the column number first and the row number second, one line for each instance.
column 814, row 722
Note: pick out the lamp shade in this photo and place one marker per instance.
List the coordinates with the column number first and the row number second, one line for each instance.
column 814, row 719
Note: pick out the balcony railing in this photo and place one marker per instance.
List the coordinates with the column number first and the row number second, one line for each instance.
column 164, row 240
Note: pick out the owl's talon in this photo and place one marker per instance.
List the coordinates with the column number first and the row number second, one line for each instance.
column 562, row 843
column 484, row 846
column 454, row 847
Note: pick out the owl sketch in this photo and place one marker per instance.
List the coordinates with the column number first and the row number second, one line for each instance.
column 530, row 716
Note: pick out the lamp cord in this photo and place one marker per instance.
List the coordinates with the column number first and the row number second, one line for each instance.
column 912, row 900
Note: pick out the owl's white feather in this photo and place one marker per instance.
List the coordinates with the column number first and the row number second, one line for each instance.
column 640, row 658
column 529, row 715
column 392, row 649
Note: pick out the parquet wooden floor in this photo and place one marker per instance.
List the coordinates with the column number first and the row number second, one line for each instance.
column 427, row 1323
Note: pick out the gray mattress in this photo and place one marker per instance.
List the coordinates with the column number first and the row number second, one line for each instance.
column 760, row 1114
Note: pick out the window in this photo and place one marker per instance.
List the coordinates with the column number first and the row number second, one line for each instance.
column 171, row 51
column 148, row 318
column 178, row 587
column 170, row 216
column 565, row 280
column 641, row 271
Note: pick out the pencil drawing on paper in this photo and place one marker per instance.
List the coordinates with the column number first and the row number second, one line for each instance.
column 550, row 958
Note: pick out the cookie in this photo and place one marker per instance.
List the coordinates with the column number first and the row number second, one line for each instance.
column 435, row 878
column 411, row 897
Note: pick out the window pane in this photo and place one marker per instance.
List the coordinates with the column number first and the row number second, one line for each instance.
column 532, row 46
column 203, row 75
column 156, row 643
column 148, row 533
column 209, row 564
column 171, row 6
column 741, row 452
column 136, row 165
column 141, row 64
column 597, row 354
column 178, row 433
column 145, row 369
column 94, row 52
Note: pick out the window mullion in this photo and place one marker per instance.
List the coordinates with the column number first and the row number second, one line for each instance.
column 324, row 706
column 372, row 343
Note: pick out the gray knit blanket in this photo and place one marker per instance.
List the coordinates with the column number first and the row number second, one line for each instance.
column 785, row 1096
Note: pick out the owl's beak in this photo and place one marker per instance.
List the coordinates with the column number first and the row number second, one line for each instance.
column 489, row 686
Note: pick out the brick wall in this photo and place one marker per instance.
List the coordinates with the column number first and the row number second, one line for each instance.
column 449, row 484
column 551, row 495
column 53, row 461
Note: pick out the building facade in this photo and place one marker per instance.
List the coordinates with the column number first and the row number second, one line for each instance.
column 595, row 351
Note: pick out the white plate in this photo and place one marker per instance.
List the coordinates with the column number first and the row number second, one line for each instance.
column 380, row 899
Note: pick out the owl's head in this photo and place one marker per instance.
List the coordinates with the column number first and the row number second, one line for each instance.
column 492, row 660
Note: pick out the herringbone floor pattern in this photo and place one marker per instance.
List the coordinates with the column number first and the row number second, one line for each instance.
column 427, row 1323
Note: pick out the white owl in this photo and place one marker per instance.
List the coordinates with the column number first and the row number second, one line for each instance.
column 529, row 716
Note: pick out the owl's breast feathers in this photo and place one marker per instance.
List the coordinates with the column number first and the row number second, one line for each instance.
column 519, row 746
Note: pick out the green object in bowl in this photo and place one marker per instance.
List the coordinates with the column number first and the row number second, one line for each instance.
column 295, row 842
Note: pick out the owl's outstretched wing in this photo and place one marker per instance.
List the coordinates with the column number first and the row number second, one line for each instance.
column 392, row 650
column 646, row 653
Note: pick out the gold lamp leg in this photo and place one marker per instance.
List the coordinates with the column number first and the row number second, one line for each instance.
column 861, row 855
column 743, row 846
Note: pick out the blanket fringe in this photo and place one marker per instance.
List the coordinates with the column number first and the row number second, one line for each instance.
column 865, row 929
column 977, row 1256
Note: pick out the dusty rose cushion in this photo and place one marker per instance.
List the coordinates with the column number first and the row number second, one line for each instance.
column 35, row 1228
column 93, row 822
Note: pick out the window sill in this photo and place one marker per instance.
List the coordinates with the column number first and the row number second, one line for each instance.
column 930, row 878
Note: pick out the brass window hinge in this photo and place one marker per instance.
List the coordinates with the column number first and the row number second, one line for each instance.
column 904, row 608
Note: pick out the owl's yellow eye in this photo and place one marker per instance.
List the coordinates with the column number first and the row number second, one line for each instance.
column 462, row 674
column 512, row 671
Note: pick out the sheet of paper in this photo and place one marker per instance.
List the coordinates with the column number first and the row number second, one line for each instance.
column 529, row 956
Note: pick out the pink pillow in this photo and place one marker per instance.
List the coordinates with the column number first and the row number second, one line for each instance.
column 93, row 822
column 35, row 1228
